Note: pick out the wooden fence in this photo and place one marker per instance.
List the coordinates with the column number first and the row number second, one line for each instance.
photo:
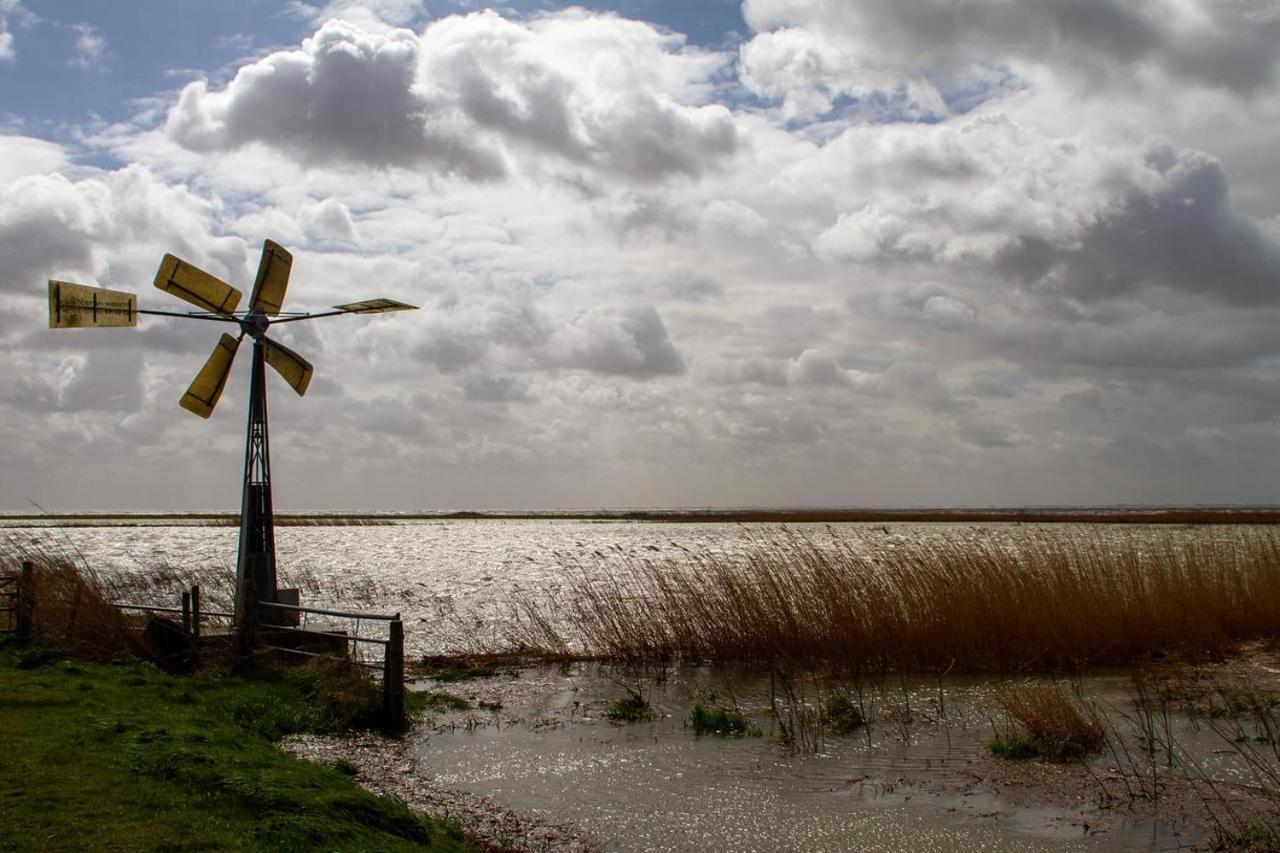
column 18, row 603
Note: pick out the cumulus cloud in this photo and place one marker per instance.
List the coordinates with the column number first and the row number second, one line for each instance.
column 632, row 342
column 1233, row 46
column 25, row 155
column 113, row 227
column 471, row 92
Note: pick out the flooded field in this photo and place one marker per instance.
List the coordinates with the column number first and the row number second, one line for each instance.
column 916, row 774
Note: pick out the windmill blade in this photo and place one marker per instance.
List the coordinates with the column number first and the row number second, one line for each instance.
column 79, row 306
column 196, row 286
column 273, row 279
column 375, row 306
column 295, row 369
column 204, row 392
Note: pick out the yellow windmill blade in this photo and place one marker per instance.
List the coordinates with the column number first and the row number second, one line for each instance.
column 375, row 306
column 196, row 286
column 273, row 279
column 79, row 306
column 295, row 369
column 204, row 392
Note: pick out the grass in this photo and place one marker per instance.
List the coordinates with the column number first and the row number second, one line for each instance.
column 1052, row 723
column 433, row 701
column 135, row 759
column 632, row 708
column 1043, row 598
column 720, row 720
column 840, row 715
column 1014, row 746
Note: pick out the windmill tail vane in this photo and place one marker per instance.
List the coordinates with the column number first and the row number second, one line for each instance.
column 78, row 306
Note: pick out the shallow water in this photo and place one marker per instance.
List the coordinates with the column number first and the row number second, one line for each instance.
column 659, row 786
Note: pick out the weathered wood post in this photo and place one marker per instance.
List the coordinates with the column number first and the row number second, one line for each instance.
column 195, row 610
column 186, row 611
column 393, row 676
column 26, row 601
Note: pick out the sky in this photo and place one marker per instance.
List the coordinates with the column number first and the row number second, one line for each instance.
column 667, row 254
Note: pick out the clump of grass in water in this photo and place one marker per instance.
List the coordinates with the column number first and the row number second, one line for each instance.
column 1048, row 599
column 436, row 701
column 719, row 720
column 841, row 715
column 1053, row 724
column 632, row 708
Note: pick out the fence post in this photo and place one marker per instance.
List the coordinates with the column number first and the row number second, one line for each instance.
column 26, row 601
column 393, row 676
column 195, row 610
column 186, row 612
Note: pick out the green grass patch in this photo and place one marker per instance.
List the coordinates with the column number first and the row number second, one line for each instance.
column 1014, row 746
column 124, row 757
column 453, row 669
column 632, row 708
column 418, row 702
column 719, row 720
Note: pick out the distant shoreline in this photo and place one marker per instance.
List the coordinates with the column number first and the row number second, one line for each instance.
column 1035, row 515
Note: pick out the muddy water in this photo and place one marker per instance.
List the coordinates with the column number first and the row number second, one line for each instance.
column 659, row 786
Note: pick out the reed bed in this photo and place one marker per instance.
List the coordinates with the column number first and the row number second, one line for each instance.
column 1040, row 598
column 74, row 606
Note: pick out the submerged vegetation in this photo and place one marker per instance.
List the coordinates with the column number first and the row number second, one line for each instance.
column 632, row 708
column 1045, row 599
column 712, row 719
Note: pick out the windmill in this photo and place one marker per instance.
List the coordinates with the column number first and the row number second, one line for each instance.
column 75, row 306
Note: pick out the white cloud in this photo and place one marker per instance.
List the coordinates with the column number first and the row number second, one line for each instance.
column 471, row 93
column 9, row 10
column 25, row 155
column 90, row 47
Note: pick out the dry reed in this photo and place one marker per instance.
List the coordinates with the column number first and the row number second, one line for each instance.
column 73, row 608
column 1059, row 725
column 1046, row 598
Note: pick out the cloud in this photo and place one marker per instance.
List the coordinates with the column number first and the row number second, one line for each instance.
column 329, row 220
column 632, row 342
column 1179, row 231
column 469, row 94
column 9, row 10
column 25, row 155
column 496, row 389
column 90, row 47
column 1232, row 46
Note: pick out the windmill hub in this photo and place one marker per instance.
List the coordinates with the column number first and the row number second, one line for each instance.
column 73, row 306
column 255, row 325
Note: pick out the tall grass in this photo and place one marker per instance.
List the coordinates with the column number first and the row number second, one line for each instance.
column 1043, row 598
column 73, row 608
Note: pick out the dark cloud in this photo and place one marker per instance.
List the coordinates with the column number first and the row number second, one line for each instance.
column 1233, row 45
column 1184, row 234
